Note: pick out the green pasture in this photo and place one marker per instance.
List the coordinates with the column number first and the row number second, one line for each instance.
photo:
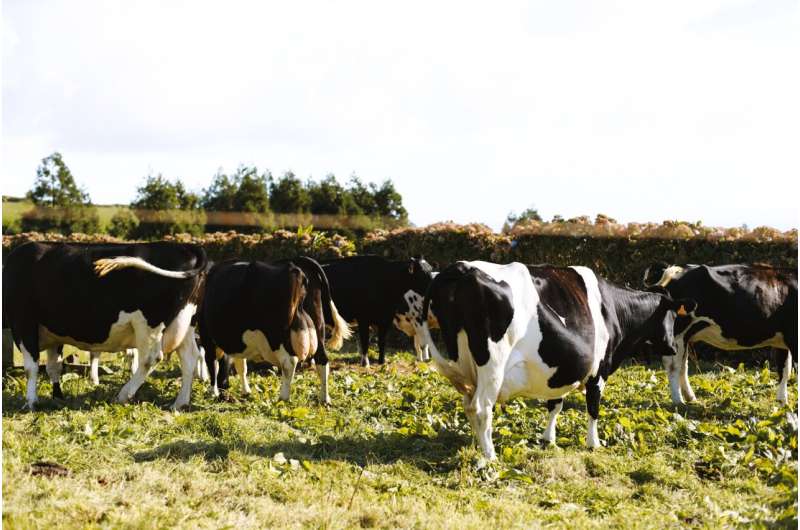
column 395, row 450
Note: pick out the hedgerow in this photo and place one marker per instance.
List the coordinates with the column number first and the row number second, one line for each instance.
column 618, row 253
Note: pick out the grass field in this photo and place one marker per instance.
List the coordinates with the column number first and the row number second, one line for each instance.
column 13, row 211
column 395, row 451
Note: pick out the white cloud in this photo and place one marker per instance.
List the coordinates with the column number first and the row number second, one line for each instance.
column 640, row 110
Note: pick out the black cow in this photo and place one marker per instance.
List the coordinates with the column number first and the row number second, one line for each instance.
column 539, row 332
column 105, row 297
column 274, row 312
column 371, row 290
column 738, row 307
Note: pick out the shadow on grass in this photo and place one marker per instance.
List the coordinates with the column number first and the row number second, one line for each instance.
column 429, row 454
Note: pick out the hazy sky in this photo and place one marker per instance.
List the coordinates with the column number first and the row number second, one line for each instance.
column 641, row 110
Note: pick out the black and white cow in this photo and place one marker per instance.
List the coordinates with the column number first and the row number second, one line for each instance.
column 104, row 297
column 372, row 290
column 738, row 307
column 273, row 312
column 539, row 332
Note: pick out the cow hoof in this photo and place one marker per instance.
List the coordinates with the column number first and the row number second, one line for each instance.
column 57, row 393
column 365, row 362
column 30, row 406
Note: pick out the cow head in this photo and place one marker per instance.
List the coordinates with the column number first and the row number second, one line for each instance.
column 419, row 276
column 659, row 274
column 659, row 330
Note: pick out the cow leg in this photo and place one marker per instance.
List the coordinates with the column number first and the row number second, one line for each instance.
column 54, row 366
column 201, row 372
column 133, row 357
column 323, row 371
column 189, row 356
column 686, row 388
column 783, row 365
column 469, row 412
column 423, row 355
column 383, row 329
column 488, row 387
column 363, row 342
column 32, row 372
column 594, row 391
column 241, row 369
column 94, row 367
column 671, row 365
column 148, row 343
column 288, row 363
column 554, row 406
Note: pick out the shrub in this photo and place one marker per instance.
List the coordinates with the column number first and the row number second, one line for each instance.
column 123, row 224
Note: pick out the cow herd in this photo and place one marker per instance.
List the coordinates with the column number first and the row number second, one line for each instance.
column 506, row 330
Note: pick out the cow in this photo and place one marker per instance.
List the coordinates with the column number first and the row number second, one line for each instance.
column 538, row 332
column 372, row 290
column 739, row 307
column 104, row 297
column 274, row 312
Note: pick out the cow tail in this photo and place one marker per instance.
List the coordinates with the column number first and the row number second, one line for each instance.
column 341, row 330
column 107, row 265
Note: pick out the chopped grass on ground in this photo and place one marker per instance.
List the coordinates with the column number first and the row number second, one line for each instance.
column 395, row 450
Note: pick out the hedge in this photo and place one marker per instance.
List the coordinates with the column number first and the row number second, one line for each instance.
column 620, row 259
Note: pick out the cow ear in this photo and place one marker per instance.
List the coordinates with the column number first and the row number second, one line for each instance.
column 684, row 306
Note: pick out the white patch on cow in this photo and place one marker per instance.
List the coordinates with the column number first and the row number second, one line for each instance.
column 323, row 371
column 133, row 355
column 595, row 301
column 32, row 372
column 786, row 373
column 713, row 336
column 241, row 369
column 677, row 366
column 592, row 438
column 549, row 435
column 189, row 356
column 257, row 348
column 94, row 367
column 176, row 331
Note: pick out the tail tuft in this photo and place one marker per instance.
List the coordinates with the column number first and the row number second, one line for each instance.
column 341, row 330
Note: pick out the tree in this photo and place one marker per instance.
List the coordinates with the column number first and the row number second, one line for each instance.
column 529, row 214
column 252, row 193
column 244, row 191
column 55, row 186
column 288, row 195
column 61, row 205
column 327, row 196
column 163, row 207
column 389, row 202
column 158, row 193
column 363, row 196
column 220, row 196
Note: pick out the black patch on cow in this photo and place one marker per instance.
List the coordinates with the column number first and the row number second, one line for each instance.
column 471, row 300
column 568, row 346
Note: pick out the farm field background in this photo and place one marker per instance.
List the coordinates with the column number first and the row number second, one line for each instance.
column 395, row 450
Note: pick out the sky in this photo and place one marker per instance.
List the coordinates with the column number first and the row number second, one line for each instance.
column 641, row 110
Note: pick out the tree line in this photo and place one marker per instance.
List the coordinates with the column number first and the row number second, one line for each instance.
column 246, row 200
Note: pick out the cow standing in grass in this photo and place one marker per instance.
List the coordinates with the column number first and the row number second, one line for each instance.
column 374, row 291
column 739, row 307
column 274, row 312
column 104, row 297
column 539, row 332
